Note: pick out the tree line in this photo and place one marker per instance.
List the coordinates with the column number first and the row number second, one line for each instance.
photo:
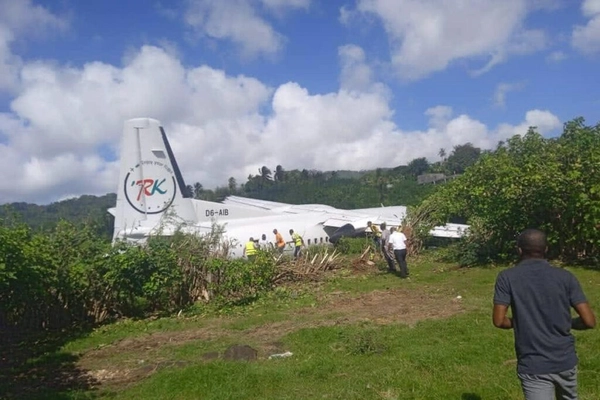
column 342, row 189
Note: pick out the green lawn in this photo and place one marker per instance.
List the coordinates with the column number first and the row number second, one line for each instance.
column 338, row 352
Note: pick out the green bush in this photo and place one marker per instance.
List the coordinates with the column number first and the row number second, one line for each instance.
column 353, row 245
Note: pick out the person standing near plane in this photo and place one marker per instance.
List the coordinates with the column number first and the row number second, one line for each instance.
column 541, row 296
column 397, row 243
column 387, row 254
column 250, row 249
column 263, row 243
column 298, row 242
column 376, row 235
column 279, row 242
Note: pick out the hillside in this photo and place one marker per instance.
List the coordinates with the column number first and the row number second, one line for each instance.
column 84, row 209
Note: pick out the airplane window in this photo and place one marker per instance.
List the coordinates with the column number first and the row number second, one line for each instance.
column 316, row 241
column 308, row 241
column 321, row 239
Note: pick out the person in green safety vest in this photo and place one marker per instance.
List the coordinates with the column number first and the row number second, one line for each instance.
column 250, row 250
column 298, row 242
column 376, row 235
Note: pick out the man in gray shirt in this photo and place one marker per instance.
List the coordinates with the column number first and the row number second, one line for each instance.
column 540, row 297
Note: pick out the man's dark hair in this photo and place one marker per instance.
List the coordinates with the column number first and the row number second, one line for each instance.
column 532, row 242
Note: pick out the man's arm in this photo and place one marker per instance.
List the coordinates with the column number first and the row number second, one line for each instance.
column 499, row 317
column 586, row 319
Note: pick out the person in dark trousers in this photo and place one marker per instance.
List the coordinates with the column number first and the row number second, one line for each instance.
column 540, row 297
column 298, row 243
column 397, row 243
column 376, row 235
column 387, row 254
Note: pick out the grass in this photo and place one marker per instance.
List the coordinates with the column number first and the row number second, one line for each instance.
column 335, row 355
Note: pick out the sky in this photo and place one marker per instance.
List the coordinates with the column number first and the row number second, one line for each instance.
column 315, row 84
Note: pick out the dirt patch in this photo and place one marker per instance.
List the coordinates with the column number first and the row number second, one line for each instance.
column 381, row 307
column 384, row 307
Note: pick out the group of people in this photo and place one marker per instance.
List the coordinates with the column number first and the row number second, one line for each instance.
column 252, row 246
column 393, row 244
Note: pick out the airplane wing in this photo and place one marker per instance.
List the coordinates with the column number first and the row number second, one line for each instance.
column 335, row 217
column 245, row 201
column 277, row 207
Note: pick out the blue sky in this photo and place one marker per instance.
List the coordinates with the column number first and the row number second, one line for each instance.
column 304, row 83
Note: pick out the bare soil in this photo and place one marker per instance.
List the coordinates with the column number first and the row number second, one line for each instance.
column 127, row 361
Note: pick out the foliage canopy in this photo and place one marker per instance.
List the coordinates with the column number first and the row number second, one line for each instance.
column 529, row 182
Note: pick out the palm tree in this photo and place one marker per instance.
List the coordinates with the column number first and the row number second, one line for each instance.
column 198, row 189
column 279, row 174
column 265, row 175
column 232, row 185
column 442, row 154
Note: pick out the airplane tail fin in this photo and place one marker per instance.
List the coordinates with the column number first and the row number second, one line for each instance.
column 150, row 182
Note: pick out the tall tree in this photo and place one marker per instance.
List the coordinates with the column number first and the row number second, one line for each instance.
column 197, row 190
column 418, row 166
column 232, row 185
column 305, row 175
column 442, row 154
column 462, row 157
column 279, row 174
column 265, row 175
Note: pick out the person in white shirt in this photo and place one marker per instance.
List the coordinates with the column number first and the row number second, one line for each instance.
column 264, row 244
column 397, row 243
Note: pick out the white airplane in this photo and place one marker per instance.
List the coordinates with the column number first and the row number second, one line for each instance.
column 151, row 200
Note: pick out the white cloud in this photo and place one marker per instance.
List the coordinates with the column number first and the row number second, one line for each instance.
column 502, row 89
column 556, row 56
column 65, row 115
column 240, row 22
column 21, row 19
column 543, row 120
column 64, row 119
column 356, row 74
column 586, row 38
column 284, row 5
column 590, row 8
column 427, row 36
column 439, row 116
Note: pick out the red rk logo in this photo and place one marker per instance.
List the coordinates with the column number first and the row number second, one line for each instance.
column 149, row 187
column 150, row 195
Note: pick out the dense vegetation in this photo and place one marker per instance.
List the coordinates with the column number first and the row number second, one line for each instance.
column 528, row 181
column 70, row 276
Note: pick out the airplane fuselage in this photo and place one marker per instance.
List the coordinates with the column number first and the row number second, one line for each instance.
column 150, row 201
